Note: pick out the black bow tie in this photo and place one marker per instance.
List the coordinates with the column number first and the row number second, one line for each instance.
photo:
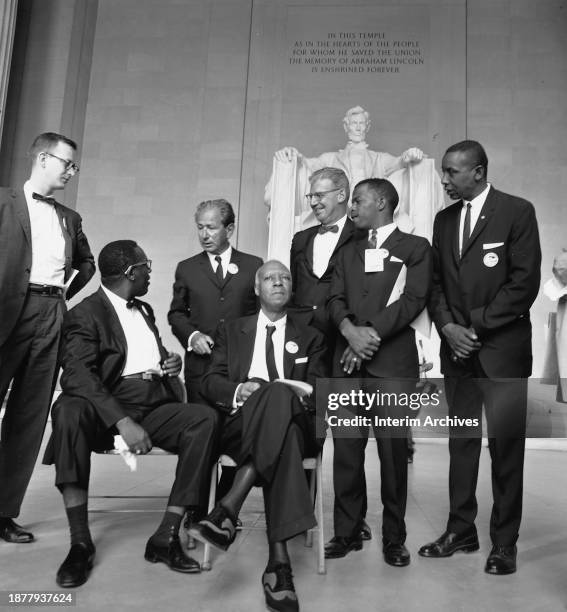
column 133, row 303
column 42, row 198
column 323, row 229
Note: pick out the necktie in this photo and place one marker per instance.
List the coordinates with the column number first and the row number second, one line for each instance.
column 218, row 271
column 270, row 359
column 466, row 227
column 372, row 239
column 323, row 229
column 42, row 198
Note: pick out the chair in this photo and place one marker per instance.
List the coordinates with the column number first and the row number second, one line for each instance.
column 314, row 464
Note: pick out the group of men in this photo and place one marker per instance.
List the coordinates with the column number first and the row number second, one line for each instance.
column 344, row 309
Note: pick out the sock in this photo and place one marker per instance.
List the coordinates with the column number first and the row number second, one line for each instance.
column 79, row 524
column 169, row 526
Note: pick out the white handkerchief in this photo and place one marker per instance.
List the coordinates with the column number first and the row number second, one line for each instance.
column 129, row 458
column 492, row 245
column 395, row 259
column 302, row 360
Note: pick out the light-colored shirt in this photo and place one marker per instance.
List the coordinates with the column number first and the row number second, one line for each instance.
column 225, row 260
column 323, row 247
column 142, row 352
column 382, row 233
column 476, row 206
column 48, row 243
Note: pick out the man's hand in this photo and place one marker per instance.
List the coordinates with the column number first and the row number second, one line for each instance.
column 202, row 344
column 412, row 156
column 134, row 435
column 246, row 389
column 363, row 340
column 287, row 154
column 462, row 340
column 350, row 361
column 172, row 365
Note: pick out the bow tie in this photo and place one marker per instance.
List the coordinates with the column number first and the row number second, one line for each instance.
column 42, row 198
column 133, row 303
column 323, row 229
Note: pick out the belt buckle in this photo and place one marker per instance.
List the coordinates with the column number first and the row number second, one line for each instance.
column 147, row 375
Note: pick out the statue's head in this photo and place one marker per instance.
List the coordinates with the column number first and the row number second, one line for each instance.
column 356, row 123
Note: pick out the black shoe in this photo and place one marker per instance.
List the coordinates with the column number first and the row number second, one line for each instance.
column 395, row 554
column 365, row 532
column 218, row 529
column 450, row 543
column 12, row 532
column 74, row 571
column 172, row 555
column 340, row 546
column 279, row 590
column 501, row 560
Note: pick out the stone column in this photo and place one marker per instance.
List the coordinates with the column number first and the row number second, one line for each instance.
column 8, row 11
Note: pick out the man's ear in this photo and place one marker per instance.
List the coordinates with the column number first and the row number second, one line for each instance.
column 229, row 230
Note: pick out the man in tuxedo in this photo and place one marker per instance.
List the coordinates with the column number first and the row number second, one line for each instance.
column 487, row 261
column 41, row 246
column 380, row 284
column 211, row 287
column 119, row 379
column 267, row 429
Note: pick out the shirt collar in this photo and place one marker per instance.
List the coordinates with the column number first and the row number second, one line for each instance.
column 382, row 233
column 225, row 257
column 263, row 321
column 118, row 302
column 478, row 201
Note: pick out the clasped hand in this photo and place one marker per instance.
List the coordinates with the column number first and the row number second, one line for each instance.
column 462, row 340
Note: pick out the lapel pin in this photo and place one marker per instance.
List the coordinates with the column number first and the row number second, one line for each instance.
column 232, row 268
column 291, row 347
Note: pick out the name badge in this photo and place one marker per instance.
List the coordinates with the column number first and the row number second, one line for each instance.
column 374, row 259
column 490, row 260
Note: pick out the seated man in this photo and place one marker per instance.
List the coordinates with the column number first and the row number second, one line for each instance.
column 267, row 429
column 118, row 378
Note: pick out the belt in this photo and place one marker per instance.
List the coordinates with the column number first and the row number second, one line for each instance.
column 144, row 376
column 45, row 289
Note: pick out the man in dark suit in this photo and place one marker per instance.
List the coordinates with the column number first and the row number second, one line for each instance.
column 381, row 283
column 214, row 286
column 119, row 379
column 41, row 245
column 267, row 428
column 487, row 261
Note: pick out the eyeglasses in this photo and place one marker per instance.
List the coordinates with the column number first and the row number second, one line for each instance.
column 69, row 165
column 147, row 263
column 318, row 195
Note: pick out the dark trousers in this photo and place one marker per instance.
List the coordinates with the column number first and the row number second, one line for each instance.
column 28, row 359
column 274, row 432
column 348, row 467
column 505, row 403
column 188, row 430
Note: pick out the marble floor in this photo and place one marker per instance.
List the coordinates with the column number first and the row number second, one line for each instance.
column 123, row 580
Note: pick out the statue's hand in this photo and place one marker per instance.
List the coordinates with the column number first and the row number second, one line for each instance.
column 412, row 156
column 287, row 154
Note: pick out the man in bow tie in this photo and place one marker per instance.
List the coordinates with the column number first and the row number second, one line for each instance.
column 44, row 259
column 119, row 379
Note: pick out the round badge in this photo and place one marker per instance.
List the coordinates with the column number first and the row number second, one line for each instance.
column 291, row 347
column 383, row 253
column 490, row 260
column 232, row 268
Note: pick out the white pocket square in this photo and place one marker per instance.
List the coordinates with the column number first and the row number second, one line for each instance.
column 394, row 259
column 492, row 245
column 302, row 360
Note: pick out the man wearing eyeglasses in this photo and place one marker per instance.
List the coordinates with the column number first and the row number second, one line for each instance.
column 44, row 259
column 119, row 379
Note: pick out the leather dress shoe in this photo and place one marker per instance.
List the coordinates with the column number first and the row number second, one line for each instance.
column 365, row 532
column 395, row 554
column 501, row 560
column 217, row 528
column 74, row 571
column 12, row 532
column 171, row 554
column 450, row 543
column 279, row 590
column 340, row 546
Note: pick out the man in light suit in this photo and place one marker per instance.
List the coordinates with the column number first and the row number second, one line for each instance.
column 41, row 246
column 212, row 287
column 267, row 429
column 119, row 379
column 487, row 261
column 372, row 309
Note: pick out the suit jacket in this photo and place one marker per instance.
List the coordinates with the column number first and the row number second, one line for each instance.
column 362, row 297
column 234, row 350
column 492, row 286
column 200, row 302
column 16, row 254
column 93, row 354
column 309, row 291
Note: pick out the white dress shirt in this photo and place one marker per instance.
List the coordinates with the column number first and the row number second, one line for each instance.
column 476, row 206
column 323, row 247
column 382, row 233
column 48, row 244
column 225, row 260
column 142, row 352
